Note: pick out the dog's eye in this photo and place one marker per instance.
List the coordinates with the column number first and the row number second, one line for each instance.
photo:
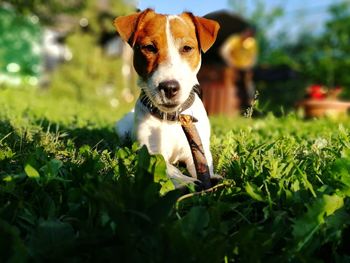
column 150, row 48
column 186, row 49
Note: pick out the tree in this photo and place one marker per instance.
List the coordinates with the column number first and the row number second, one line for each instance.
column 19, row 56
column 326, row 58
column 46, row 10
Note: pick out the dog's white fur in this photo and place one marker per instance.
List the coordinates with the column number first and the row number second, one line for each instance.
column 167, row 137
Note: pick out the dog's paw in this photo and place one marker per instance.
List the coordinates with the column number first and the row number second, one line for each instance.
column 179, row 179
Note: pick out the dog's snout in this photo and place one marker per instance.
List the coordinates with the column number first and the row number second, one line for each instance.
column 170, row 88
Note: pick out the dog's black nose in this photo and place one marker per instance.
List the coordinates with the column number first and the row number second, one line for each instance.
column 170, row 88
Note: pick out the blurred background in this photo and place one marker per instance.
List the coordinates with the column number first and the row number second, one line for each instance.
column 277, row 51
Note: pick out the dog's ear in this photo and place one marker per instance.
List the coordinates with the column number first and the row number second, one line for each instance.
column 206, row 30
column 127, row 26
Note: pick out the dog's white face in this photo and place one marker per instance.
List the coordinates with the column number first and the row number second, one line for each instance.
column 167, row 53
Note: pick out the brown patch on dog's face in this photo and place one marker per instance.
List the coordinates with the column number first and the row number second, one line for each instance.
column 146, row 33
column 151, row 45
column 184, row 34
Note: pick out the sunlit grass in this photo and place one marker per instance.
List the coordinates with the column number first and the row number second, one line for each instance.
column 66, row 186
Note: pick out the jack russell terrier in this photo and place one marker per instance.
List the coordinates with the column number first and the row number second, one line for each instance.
column 167, row 58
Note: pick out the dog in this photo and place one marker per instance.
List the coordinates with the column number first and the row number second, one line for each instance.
column 167, row 57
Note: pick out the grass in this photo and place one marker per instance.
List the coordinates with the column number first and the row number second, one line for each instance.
column 69, row 192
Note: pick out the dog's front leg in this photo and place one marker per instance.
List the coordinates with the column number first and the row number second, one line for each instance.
column 179, row 179
column 209, row 158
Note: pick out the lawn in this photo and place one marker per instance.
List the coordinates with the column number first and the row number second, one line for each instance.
column 69, row 192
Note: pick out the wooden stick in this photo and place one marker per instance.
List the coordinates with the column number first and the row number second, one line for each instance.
column 200, row 162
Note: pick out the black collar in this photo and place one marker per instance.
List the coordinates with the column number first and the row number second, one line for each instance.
column 170, row 116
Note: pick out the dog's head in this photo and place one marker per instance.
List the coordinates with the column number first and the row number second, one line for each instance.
column 167, row 53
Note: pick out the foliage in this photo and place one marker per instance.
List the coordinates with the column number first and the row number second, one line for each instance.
column 48, row 10
column 322, row 58
column 68, row 192
column 14, row 67
column 89, row 61
column 91, row 76
column 327, row 60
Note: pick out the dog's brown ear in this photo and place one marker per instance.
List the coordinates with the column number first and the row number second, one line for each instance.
column 206, row 29
column 127, row 26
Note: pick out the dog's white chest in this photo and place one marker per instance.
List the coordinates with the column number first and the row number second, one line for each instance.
column 167, row 137
column 164, row 137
